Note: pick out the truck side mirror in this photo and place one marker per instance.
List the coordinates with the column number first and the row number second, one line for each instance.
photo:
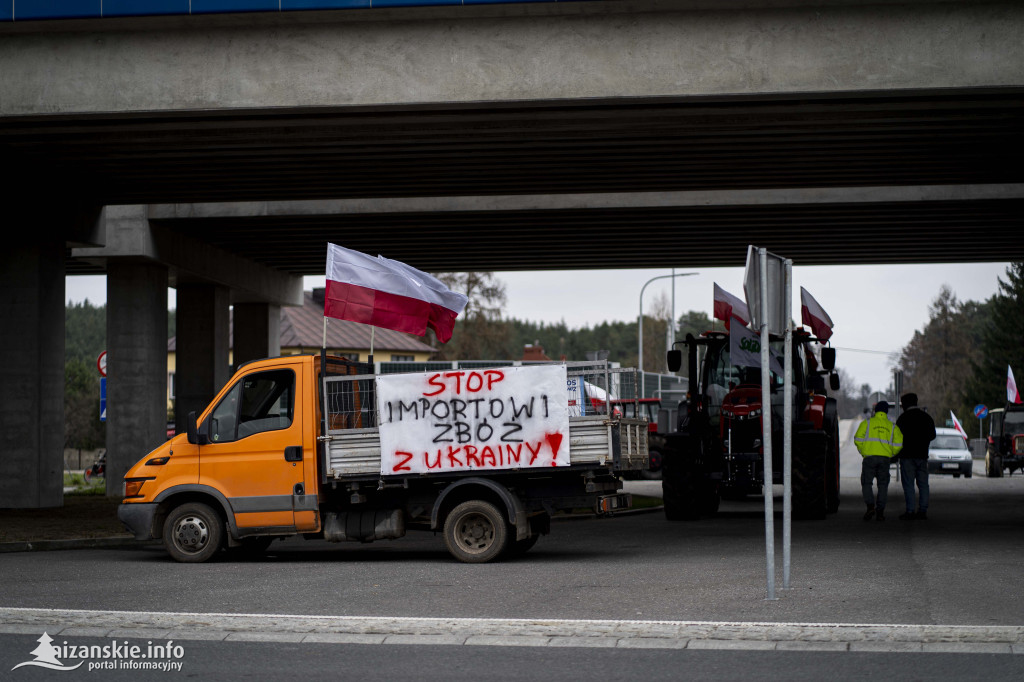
column 192, row 431
column 675, row 360
column 833, row 381
column 190, row 427
column 828, row 359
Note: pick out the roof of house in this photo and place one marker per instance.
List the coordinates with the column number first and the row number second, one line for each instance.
column 303, row 327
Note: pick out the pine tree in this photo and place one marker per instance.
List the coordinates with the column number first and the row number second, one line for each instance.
column 1002, row 342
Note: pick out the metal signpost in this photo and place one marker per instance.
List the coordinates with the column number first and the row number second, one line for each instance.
column 767, row 284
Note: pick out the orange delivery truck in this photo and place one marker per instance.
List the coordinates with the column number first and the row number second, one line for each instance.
column 319, row 447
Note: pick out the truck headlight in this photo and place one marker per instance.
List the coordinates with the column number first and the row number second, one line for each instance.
column 133, row 487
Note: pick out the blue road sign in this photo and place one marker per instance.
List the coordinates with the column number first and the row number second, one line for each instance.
column 103, row 399
column 980, row 411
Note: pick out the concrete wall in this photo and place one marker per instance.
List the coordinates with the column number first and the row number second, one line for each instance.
column 615, row 49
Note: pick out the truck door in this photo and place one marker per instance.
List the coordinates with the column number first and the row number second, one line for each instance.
column 254, row 454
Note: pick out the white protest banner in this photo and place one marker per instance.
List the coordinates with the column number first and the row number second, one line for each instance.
column 473, row 420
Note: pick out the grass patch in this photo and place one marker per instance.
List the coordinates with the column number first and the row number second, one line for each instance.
column 96, row 486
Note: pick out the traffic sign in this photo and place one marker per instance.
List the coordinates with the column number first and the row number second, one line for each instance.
column 980, row 411
column 101, row 363
column 103, row 398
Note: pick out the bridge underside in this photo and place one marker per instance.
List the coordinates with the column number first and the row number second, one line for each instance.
column 558, row 184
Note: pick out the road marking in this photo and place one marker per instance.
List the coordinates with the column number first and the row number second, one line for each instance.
column 531, row 632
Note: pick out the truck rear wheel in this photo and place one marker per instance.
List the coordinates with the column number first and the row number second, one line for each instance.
column 193, row 533
column 475, row 532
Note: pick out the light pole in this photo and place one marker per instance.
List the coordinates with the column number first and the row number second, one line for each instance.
column 640, row 323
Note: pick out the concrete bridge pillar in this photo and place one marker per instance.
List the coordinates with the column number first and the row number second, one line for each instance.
column 136, row 364
column 201, row 367
column 256, row 332
column 32, row 379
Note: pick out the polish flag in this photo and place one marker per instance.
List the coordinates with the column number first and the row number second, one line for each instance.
column 1012, row 394
column 389, row 294
column 814, row 316
column 728, row 306
column 958, row 426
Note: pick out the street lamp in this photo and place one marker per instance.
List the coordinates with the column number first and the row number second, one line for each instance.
column 640, row 323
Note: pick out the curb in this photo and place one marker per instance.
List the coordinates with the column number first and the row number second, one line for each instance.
column 654, row 634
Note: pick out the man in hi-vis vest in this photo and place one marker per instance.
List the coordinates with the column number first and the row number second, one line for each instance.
column 879, row 441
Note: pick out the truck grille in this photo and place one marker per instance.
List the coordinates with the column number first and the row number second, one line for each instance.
column 1018, row 444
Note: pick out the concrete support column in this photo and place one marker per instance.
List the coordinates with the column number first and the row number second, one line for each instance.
column 32, row 380
column 256, row 332
column 201, row 366
column 136, row 364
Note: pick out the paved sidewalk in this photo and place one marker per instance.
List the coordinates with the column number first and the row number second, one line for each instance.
column 517, row 632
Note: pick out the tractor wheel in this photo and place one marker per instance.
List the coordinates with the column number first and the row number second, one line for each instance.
column 709, row 498
column 993, row 466
column 679, row 491
column 809, row 490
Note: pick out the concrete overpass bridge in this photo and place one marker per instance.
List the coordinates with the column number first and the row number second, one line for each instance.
column 217, row 153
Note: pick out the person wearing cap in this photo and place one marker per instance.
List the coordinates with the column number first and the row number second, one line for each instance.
column 918, row 431
column 878, row 441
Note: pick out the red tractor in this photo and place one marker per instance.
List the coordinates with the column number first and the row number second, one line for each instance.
column 718, row 451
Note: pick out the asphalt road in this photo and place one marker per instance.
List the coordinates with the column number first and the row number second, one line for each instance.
column 598, row 582
column 951, row 569
column 257, row 662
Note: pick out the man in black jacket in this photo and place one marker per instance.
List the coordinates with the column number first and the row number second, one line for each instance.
column 918, row 431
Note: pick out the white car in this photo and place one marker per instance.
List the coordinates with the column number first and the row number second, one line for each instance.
column 948, row 454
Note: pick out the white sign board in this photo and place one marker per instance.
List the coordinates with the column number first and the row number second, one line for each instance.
column 473, row 420
column 775, row 275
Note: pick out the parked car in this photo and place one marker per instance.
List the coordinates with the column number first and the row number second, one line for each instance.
column 948, row 454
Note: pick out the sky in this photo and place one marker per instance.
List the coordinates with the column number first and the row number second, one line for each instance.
column 876, row 309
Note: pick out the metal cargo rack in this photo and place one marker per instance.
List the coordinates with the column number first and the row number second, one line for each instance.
column 352, row 440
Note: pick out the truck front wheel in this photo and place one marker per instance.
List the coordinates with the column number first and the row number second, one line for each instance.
column 193, row 533
column 475, row 532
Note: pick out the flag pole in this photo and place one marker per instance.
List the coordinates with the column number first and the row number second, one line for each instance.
column 369, row 358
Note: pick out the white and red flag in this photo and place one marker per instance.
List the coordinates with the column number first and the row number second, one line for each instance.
column 814, row 316
column 728, row 306
column 1012, row 394
column 389, row 294
column 958, row 426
